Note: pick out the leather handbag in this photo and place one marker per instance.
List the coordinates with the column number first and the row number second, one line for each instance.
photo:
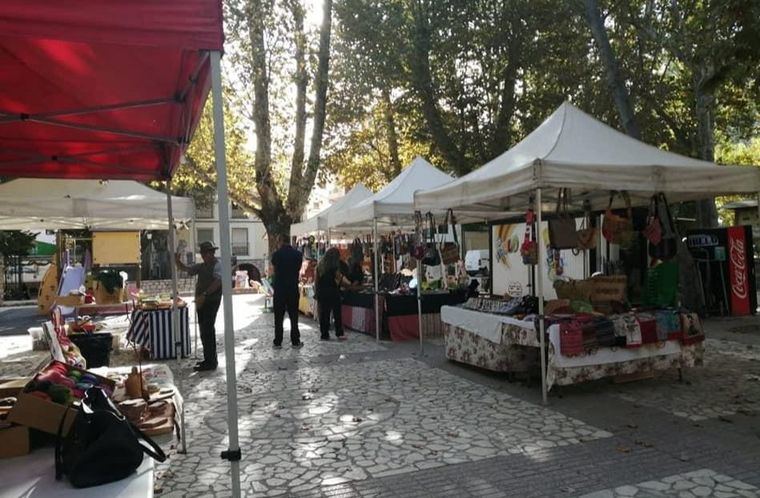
column 432, row 257
column 562, row 231
column 586, row 234
column 102, row 445
column 653, row 229
column 618, row 229
column 667, row 247
column 529, row 247
column 450, row 250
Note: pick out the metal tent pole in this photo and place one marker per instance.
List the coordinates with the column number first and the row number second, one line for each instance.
column 233, row 453
column 176, row 339
column 540, row 294
column 419, row 302
column 377, row 281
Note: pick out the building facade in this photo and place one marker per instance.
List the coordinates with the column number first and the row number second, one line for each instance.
column 247, row 233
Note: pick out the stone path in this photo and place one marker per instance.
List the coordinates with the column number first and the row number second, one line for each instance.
column 703, row 482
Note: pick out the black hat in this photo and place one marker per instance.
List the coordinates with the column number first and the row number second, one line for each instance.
column 208, row 246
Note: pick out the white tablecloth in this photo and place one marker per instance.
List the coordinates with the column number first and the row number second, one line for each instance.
column 33, row 475
column 486, row 325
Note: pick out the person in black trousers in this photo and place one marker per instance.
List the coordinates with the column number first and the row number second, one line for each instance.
column 208, row 297
column 286, row 265
column 330, row 278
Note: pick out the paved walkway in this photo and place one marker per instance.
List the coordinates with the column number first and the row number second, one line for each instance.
column 357, row 418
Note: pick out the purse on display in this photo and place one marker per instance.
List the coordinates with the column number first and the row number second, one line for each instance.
column 648, row 327
column 668, row 325
column 431, row 258
column 102, row 445
column 667, row 247
column 653, row 229
column 628, row 327
column 450, row 250
column 562, row 231
column 529, row 247
column 357, row 251
column 571, row 338
column 605, row 332
column 606, row 288
column 586, row 234
column 574, row 290
column 618, row 229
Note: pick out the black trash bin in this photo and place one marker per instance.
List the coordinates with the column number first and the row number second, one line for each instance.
column 96, row 348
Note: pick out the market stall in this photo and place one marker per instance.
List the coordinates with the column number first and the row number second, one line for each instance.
column 130, row 86
column 587, row 165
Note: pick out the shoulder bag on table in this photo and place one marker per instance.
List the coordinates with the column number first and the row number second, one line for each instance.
column 102, row 445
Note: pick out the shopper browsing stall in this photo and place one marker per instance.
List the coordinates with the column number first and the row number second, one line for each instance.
column 286, row 265
column 329, row 280
column 208, row 297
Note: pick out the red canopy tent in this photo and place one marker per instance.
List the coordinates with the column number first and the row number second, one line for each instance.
column 113, row 89
column 106, row 89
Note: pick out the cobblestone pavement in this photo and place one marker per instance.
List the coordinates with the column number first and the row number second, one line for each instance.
column 357, row 418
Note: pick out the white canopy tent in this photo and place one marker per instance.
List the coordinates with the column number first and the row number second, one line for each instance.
column 573, row 150
column 392, row 206
column 320, row 222
column 43, row 203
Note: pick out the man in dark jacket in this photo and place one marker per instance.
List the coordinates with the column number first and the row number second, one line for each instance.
column 286, row 264
column 208, row 297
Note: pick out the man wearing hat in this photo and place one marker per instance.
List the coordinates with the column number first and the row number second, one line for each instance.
column 208, row 297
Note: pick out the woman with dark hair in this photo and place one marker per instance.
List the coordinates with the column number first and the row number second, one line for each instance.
column 329, row 280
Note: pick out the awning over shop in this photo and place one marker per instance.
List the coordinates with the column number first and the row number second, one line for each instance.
column 40, row 203
column 573, row 150
column 320, row 222
column 106, row 89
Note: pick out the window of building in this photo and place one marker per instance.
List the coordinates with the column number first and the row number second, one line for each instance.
column 240, row 242
column 204, row 212
column 237, row 213
column 204, row 234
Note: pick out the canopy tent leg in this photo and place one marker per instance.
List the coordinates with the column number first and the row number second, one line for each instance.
column 377, row 280
column 176, row 339
column 540, row 294
column 233, row 449
column 419, row 302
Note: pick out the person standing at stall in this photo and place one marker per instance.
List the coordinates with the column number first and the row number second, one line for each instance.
column 286, row 266
column 208, row 297
column 329, row 280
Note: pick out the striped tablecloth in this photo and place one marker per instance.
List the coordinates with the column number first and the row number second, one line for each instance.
column 152, row 329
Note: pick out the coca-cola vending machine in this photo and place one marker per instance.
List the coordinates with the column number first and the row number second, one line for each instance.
column 725, row 258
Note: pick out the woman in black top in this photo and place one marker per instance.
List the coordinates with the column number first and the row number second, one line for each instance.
column 329, row 280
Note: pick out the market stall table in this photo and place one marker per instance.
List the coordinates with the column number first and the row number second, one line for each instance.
column 152, row 329
column 104, row 309
column 505, row 344
column 400, row 313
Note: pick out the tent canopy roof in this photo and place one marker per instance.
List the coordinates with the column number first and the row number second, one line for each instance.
column 395, row 202
column 37, row 204
column 106, row 89
column 572, row 149
column 320, row 222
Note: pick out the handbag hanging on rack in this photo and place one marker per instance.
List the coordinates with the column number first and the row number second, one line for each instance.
column 562, row 231
column 431, row 250
column 529, row 247
column 653, row 230
column 618, row 229
column 667, row 247
column 450, row 250
column 587, row 233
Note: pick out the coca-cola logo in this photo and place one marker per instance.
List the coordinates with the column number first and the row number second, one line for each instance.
column 739, row 260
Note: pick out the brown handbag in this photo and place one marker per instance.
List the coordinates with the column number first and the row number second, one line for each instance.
column 587, row 233
column 450, row 250
column 562, row 231
column 609, row 288
column 618, row 229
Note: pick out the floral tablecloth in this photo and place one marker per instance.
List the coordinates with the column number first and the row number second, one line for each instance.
column 506, row 344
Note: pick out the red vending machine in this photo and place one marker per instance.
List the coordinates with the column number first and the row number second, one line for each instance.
column 725, row 259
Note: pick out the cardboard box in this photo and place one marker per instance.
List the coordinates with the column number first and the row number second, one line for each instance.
column 14, row 441
column 36, row 413
column 11, row 387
